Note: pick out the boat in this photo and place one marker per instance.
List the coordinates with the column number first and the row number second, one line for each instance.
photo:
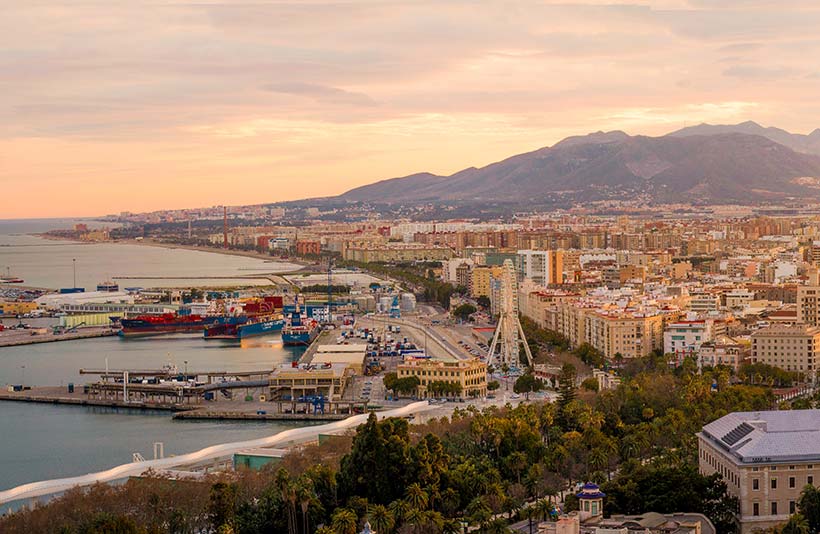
column 299, row 329
column 253, row 326
column 11, row 280
column 168, row 323
column 253, row 317
column 108, row 287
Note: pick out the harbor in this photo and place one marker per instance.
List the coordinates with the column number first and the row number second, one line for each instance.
column 30, row 336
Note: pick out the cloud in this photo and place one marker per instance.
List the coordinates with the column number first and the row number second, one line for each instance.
column 321, row 93
column 169, row 93
column 773, row 73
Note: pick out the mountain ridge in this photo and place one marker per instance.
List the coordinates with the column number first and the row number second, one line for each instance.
column 715, row 168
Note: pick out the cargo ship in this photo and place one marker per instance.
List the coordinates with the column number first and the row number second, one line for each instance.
column 170, row 323
column 299, row 330
column 250, row 318
column 251, row 326
column 165, row 323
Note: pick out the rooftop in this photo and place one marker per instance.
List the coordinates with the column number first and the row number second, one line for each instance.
column 767, row 437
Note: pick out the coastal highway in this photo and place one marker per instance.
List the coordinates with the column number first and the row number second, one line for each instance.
column 282, row 439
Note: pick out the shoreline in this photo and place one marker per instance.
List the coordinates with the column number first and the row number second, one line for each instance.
column 159, row 244
column 214, row 250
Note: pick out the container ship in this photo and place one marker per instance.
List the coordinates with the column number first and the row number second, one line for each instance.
column 251, row 318
column 253, row 326
column 299, row 330
column 166, row 323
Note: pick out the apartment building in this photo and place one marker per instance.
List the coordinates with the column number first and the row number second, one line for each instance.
column 723, row 350
column 789, row 347
column 766, row 459
column 396, row 252
column 701, row 301
column 544, row 267
column 480, row 278
column 630, row 334
column 471, row 375
column 684, row 338
column 808, row 304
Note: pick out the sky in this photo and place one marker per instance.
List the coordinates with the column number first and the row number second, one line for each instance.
column 131, row 105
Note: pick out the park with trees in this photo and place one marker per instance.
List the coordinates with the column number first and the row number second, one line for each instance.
column 484, row 468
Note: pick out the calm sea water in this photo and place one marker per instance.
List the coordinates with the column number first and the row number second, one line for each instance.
column 44, row 441
column 46, row 263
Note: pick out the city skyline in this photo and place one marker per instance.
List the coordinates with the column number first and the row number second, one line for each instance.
column 204, row 104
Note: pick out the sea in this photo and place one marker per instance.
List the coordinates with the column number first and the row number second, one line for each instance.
column 39, row 441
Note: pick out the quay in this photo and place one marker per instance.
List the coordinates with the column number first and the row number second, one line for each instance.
column 27, row 337
column 60, row 395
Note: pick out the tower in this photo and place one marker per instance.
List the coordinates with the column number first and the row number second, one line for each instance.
column 509, row 335
column 590, row 502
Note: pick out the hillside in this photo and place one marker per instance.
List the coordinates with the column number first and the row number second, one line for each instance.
column 808, row 144
column 719, row 168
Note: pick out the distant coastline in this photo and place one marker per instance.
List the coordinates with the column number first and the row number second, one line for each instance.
column 215, row 250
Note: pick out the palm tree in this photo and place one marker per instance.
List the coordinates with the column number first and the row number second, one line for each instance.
column 324, row 530
column 477, row 511
column 451, row 526
column 530, row 512
column 598, row 459
column 416, row 496
column 797, row 525
column 414, row 518
column 305, row 496
column 543, row 508
column 287, row 491
column 380, row 518
column 399, row 508
column 344, row 521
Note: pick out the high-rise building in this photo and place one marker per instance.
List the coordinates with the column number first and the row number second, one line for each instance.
column 808, row 300
column 544, row 267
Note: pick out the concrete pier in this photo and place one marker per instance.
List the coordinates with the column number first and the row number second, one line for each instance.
column 12, row 338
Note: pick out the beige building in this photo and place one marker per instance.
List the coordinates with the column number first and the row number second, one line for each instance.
column 808, row 304
column 329, row 380
column 470, row 374
column 766, row 458
column 367, row 253
column 723, row 350
column 630, row 335
column 789, row 347
column 480, row 280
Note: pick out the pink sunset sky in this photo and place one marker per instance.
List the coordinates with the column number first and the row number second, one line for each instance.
column 135, row 105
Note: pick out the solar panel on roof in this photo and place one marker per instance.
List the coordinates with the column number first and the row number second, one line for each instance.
column 736, row 434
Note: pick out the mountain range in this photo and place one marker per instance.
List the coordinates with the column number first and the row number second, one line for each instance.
column 701, row 164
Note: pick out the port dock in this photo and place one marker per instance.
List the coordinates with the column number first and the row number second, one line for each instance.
column 13, row 338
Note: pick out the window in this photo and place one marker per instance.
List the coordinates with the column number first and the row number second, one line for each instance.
column 755, row 509
column 791, row 482
column 810, row 480
column 755, row 484
column 792, row 507
column 774, row 508
column 774, row 483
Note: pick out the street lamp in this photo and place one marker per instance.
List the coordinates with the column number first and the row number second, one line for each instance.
column 74, row 267
column 186, row 369
column 22, row 375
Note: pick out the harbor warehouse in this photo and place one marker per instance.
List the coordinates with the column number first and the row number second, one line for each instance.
column 353, row 356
